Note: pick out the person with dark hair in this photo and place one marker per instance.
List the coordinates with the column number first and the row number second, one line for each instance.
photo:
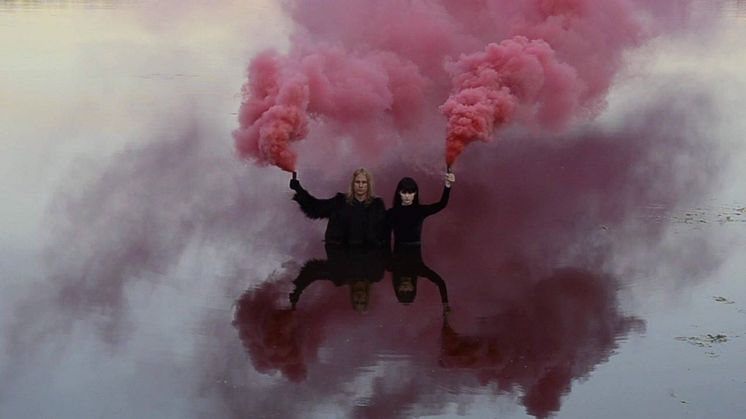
column 405, row 220
column 406, row 267
column 356, row 218
column 406, row 217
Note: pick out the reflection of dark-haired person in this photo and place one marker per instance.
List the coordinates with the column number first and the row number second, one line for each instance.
column 357, row 268
column 406, row 266
column 355, row 219
column 406, row 217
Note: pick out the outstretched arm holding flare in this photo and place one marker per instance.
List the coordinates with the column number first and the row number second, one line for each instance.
column 355, row 218
column 450, row 179
column 311, row 206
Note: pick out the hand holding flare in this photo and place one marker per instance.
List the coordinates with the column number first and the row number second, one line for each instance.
column 450, row 177
column 294, row 182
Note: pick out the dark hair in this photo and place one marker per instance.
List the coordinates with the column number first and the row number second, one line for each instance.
column 404, row 297
column 407, row 184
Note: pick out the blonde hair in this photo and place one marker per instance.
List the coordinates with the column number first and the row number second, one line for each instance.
column 364, row 286
column 369, row 195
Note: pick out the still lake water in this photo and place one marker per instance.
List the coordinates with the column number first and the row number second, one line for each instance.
column 146, row 273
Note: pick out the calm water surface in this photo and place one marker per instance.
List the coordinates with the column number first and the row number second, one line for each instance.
column 147, row 273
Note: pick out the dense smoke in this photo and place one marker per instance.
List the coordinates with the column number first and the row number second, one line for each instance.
column 373, row 74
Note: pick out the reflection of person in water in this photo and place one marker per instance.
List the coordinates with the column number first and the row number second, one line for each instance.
column 407, row 215
column 357, row 268
column 406, row 266
column 356, row 218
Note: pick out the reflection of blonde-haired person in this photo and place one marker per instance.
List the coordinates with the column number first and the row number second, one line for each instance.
column 355, row 268
column 355, row 219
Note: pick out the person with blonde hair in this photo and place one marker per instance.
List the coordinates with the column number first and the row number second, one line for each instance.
column 356, row 219
column 356, row 268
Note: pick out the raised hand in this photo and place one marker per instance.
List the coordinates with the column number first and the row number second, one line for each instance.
column 295, row 183
column 450, row 179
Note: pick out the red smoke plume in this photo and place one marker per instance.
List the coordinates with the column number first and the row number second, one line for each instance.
column 556, row 65
column 272, row 115
column 333, row 85
column 374, row 74
column 516, row 77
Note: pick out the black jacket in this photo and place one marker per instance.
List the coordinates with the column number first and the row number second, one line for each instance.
column 406, row 221
column 350, row 223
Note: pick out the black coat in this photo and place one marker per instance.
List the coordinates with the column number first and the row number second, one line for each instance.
column 406, row 221
column 351, row 222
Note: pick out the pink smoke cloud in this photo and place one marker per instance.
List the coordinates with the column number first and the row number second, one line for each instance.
column 557, row 67
column 327, row 83
column 518, row 78
column 273, row 114
column 377, row 74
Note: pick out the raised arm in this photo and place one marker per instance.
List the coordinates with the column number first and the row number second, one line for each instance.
column 313, row 207
column 433, row 208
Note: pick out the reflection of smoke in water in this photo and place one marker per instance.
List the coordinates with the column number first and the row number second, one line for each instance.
column 546, row 334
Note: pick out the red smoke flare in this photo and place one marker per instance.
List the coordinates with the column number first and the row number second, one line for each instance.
column 364, row 79
column 515, row 79
column 272, row 115
column 348, row 91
